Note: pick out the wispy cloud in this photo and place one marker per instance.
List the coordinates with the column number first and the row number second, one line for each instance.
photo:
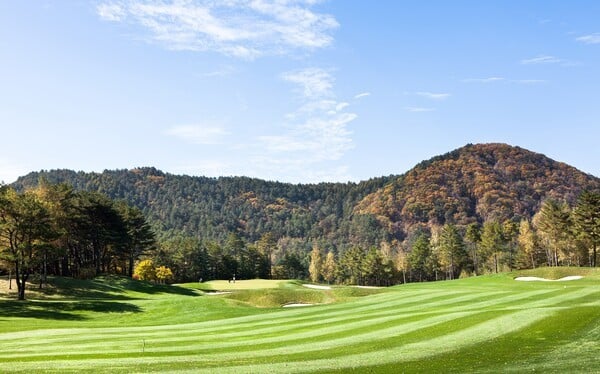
column 589, row 39
column 316, row 134
column 111, row 12
column 240, row 28
column 314, row 83
column 198, row 134
column 549, row 60
column 434, row 96
column 361, row 95
column 417, row 109
column 484, row 80
column 542, row 59
column 223, row 71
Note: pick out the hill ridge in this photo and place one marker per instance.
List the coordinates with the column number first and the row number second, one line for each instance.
column 473, row 183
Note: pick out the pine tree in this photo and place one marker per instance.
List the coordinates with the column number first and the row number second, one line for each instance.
column 492, row 243
column 419, row 258
column 554, row 226
column 473, row 238
column 587, row 221
column 452, row 250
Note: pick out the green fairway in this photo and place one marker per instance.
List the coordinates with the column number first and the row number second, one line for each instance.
column 482, row 324
column 249, row 284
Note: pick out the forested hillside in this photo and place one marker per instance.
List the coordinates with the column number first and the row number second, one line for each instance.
column 469, row 211
column 212, row 208
column 476, row 183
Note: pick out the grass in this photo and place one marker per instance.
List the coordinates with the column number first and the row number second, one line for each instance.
column 481, row 324
column 249, row 284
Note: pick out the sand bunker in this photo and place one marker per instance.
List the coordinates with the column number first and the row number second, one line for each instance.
column 208, row 293
column 295, row 305
column 316, row 287
column 531, row 279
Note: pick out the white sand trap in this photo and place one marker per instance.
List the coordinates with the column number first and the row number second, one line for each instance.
column 317, row 287
column 368, row 287
column 217, row 293
column 533, row 279
column 296, row 305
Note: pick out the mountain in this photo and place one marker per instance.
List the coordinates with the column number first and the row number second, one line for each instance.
column 211, row 208
column 471, row 184
column 475, row 183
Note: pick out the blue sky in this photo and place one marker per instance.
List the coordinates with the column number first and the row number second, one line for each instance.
column 296, row 91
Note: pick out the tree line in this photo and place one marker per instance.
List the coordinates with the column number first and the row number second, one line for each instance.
column 54, row 230
column 557, row 235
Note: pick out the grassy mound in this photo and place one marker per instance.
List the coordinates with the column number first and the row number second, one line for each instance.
column 265, row 293
column 483, row 324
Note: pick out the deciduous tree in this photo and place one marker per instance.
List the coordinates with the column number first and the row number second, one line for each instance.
column 316, row 264
column 163, row 274
column 145, row 270
column 329, row 267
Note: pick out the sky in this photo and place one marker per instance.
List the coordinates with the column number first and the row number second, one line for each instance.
column 298, row 91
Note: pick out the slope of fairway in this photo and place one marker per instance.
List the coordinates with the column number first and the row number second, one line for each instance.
column 484, row 324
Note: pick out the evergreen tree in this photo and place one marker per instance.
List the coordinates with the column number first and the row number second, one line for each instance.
column 350, row 267
column 452, row 251
column 419, row 258
column 235, row 249
column 25, row 230
column 140, row 237
column 373, row 268
column 473, row 238
column 587, row 221
column 554, row 227
column 510, row 232
column 267, row 246
column 492, row 244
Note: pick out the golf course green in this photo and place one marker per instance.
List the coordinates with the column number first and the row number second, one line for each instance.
column 481, row 324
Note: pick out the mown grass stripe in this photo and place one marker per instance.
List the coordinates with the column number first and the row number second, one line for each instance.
column 343, row 336
column 417, row 326
column 287, row 325
column 424, row 348
column 217, row 327
column 124, row 344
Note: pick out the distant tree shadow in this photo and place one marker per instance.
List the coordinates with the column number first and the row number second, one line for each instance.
column 62, row 310
column 109, row 287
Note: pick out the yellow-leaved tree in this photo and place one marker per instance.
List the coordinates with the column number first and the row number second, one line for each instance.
column 145, row 270
column 163, row 274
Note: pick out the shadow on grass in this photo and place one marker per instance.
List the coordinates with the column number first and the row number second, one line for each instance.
column 147, row 287
column 62, row 310
column 109, row 287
